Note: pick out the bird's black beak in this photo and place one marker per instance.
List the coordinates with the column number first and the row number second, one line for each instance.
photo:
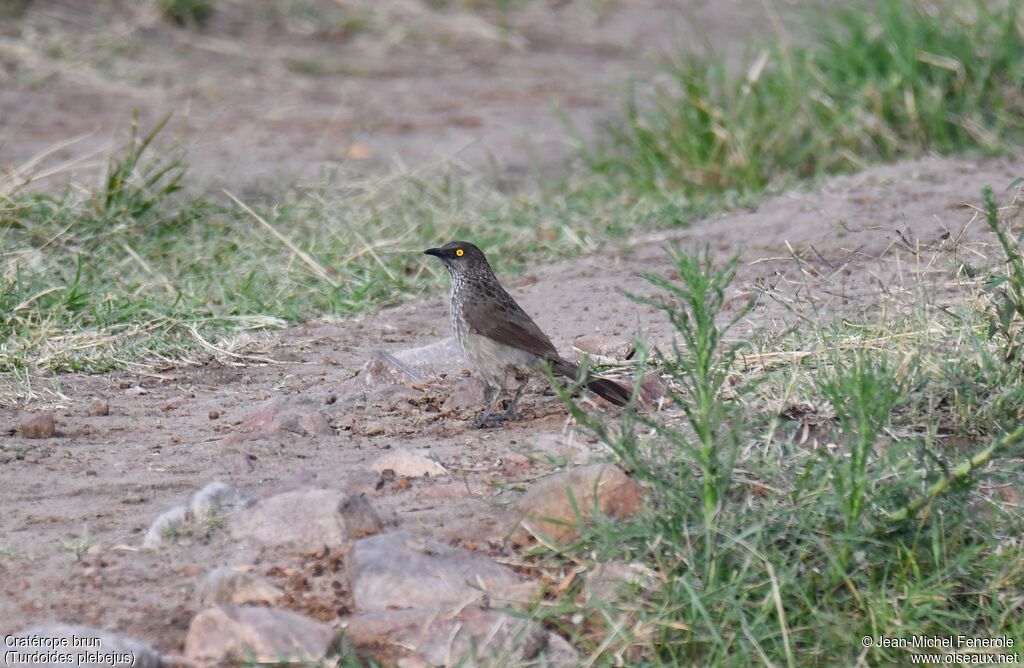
column 436, row 252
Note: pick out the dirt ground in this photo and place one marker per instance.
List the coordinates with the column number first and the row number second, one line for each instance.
column 102, row 480
column 259, row 103
column 75, row 506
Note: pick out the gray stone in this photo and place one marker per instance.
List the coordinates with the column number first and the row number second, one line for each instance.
column 442, row 356
column 165, row 523
column 468, row 393
column 219, row 497
column 309, row 518
column 230, row 634
column 402, row 570
column 468, row 637
column 212, row 500
column 78, row 646
column 227, row 586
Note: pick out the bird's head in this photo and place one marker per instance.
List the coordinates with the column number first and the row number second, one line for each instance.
column 460, row 257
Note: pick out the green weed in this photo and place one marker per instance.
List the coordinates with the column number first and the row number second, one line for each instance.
column 188, row 13
column 770, row 548
column 875, row 82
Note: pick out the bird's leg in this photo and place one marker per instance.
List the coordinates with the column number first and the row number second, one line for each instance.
column 510, row 410
column 490, row 396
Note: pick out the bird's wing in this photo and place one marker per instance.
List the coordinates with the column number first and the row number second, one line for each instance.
column 503, row 320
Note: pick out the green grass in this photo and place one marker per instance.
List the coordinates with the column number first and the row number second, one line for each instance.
column 142, row 268
column 772, row 547
column 188, row 13
column 875, row 81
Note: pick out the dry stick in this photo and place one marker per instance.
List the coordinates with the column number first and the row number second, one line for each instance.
column 317, row 268
column 958, row 473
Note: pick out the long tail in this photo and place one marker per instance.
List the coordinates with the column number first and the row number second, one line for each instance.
column 614, row 392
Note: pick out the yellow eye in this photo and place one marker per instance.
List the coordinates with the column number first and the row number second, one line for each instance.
column 459, row 252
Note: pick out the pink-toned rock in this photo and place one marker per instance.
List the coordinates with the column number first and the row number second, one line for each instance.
column 230, row 635
column 468, row 393
column 602, row 347
column 552, row 508
column 409, row 463
column 469, row 637
column 310, row 519
column 285, row 414
column 402, row 570
column 38, row 426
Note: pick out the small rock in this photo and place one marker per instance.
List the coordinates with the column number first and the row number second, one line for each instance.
column 219, row 497
column 213, row 415
column 284, row 414
column 402, row 570
column 568, row 447
column 227, row 586
column 604, row 348
column 241, row 463
column 552, row 507
column 166, row 523
column 444, row 356
column 409, row 463
column 471, row 637
column 97, row 408
column 386, row 369
column 468, row 393
column 245, row 635
column 363, row 481
column 213, row 499
column 137, row 391
column 304, row 479
column 39, row 426
column 606, row 581
column 88, row 640
column 310, row 518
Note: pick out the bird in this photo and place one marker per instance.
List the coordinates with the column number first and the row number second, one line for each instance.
column 499, row 339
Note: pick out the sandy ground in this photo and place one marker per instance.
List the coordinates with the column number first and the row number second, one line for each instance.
column 96, row 486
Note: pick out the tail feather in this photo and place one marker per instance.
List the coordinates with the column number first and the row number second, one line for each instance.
column 614, row 392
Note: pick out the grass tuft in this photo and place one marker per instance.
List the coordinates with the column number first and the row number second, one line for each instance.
column 850, row 492
column 880, row 82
